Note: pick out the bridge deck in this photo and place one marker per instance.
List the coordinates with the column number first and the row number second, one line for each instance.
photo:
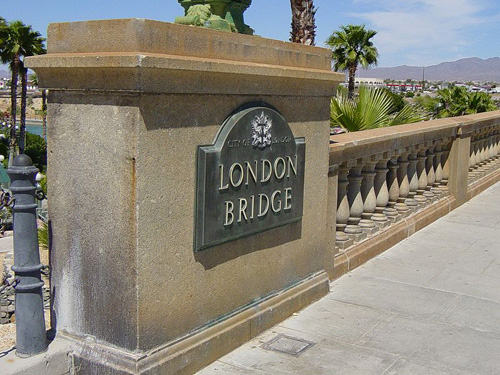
column 429, row 305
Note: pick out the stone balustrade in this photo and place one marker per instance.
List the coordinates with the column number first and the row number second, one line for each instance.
column 394, row 181
column 484, row 152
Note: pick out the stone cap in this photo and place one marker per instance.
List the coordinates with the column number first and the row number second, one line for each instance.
column 355, row 145
column 138, row 55
column 154, row 37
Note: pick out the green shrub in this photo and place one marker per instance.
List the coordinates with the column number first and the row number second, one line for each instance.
column 36, row 149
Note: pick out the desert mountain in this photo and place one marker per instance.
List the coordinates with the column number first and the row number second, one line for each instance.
column 469, row 69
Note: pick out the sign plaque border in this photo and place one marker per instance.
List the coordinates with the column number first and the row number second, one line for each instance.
column 273, row 167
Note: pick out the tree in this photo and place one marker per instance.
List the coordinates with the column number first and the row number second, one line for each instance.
column 457, row 101
column 373, row 108
column 34, row 79
column 351, row 46
column 18, row 41
column 303, row 23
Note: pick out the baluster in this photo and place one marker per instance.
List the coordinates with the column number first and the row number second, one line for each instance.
column 382, row 193
column 472, row 157
column 445, row 165
column 497, row 143
column 355, row 204
column 431, row 172
column 404, row 185
column 490, row 153
column 483, row 150
column 393, row 186
column 413, row 178
column 496, row 147
column 438, row 168
column 492, row 149
column 479, row 149
column 369, row 198
column 421, row 197
column 341, row 239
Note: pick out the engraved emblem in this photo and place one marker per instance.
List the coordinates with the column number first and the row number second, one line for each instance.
column 261, row 131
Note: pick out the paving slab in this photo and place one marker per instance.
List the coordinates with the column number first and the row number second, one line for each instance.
column 390, row 296
column 493, row 269
column 344, row 321
column 405, row 367
column 468, row 284
column 433, row 342
column 324, row 358
column 417, row 272
column 476, row 313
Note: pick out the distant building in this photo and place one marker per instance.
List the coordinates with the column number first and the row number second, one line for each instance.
column 31, row 86
column 370, row 82
column 403, row 87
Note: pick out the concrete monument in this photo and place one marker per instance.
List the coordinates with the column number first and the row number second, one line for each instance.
column 133, row 105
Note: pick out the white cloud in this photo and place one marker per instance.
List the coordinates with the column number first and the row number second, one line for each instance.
column 422, row 32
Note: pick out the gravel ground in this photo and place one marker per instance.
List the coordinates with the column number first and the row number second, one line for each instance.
column 8, row 331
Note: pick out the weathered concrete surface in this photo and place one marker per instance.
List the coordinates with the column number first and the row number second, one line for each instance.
column 130, row 101
column 429, row 305
column 55, row 361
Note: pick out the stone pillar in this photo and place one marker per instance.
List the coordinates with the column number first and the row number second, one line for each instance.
column 458, row 161
column 130, row 102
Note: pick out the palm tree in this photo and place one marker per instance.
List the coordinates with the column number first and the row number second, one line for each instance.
column 19, row 41
column 373, row 108
column 457, row 101
column 352, row 46
column 23, row 71
column 34, row 79
column 32, row 44
column 303, row 23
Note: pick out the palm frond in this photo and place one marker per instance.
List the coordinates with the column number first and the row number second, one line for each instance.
column 372, row 108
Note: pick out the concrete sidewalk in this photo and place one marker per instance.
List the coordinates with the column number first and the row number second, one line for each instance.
column 430, row 305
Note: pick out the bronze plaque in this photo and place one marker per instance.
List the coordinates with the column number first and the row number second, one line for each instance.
column 250, row 180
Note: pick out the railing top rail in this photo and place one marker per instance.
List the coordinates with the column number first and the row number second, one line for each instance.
column 356, row 145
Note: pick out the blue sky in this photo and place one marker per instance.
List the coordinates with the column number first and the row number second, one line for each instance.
column 412, row 32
